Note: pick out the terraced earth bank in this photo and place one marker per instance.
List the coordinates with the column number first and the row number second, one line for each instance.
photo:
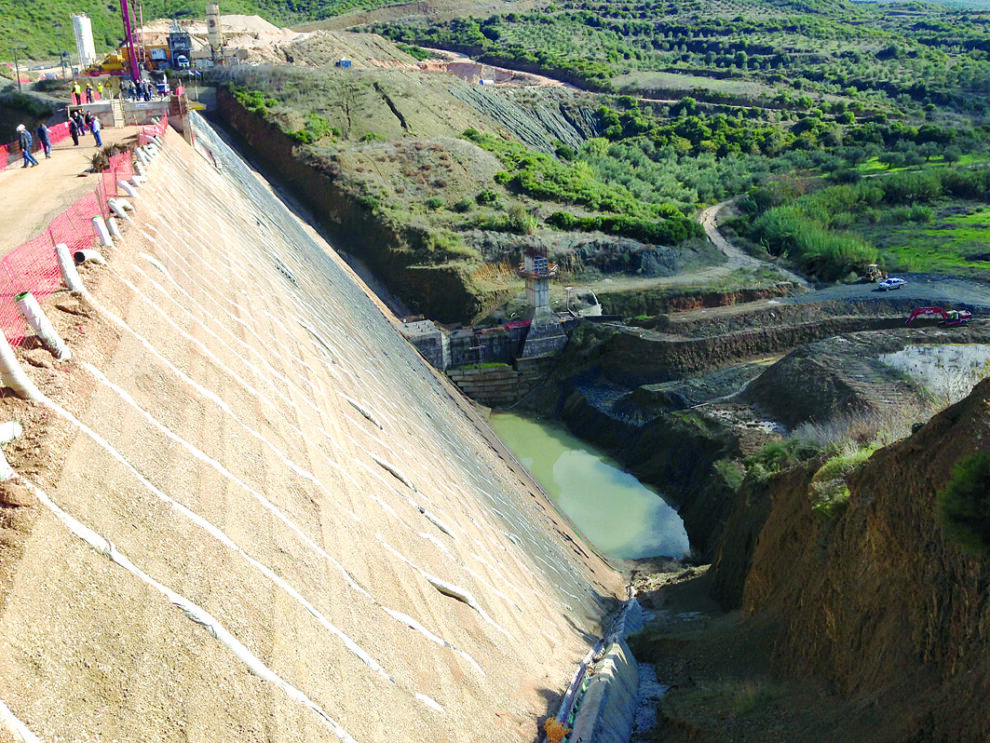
column 247, row 510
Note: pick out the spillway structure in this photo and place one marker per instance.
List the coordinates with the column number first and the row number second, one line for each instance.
column 247, row 510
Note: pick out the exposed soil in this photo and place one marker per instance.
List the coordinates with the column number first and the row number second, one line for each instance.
column 34, row 196
column 718, row 665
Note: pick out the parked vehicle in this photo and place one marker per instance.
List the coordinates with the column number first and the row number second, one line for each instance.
column 890, row 284
column 874, row 274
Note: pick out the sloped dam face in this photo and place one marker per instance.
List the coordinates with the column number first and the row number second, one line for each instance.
column 254, row 514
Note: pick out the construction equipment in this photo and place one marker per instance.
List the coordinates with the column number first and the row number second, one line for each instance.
column 874, row 274
column 949, row 317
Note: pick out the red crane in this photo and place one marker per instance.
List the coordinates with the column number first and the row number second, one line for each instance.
column 125, row 14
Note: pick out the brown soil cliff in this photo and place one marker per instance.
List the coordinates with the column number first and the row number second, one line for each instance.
column 876, row 599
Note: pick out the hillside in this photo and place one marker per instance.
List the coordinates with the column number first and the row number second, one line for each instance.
column 834, row 159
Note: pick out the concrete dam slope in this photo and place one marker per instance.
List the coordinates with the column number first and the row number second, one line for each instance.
column 246, row 509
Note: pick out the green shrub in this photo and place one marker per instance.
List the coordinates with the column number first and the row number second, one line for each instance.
column 521, row 221
column 486, row 197
column 433, row 203
column 372, row 137
column 462, row 206
column 964, row 505
column 370, row 203
column 778, row 456
column 829, row 486
column 731, row 472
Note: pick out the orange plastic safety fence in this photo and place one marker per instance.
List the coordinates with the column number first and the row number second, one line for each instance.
column 32, row 266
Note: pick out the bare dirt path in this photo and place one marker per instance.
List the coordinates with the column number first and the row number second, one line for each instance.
column 737, row 258
column 32, row 197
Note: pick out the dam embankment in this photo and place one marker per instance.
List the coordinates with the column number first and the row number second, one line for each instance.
column 247, row 509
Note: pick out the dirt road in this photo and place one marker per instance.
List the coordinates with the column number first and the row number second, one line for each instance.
column 33, row 197
column 737, row 258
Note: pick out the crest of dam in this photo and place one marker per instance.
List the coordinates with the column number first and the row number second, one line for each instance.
column 247, row 510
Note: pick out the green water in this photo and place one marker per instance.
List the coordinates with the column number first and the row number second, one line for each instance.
column 620, row 516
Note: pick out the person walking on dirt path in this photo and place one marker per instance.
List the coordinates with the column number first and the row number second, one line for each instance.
column 74, row 132
column 89, row 93
column 99, row 90
column 24, row 140
column 76, row 94
column 94, row 126
column 45, row 140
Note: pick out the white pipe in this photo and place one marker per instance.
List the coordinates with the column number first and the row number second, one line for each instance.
column 117, row 208
column 137, row 181
column 9, row 431
column 42, row 326
column 128, row 188
column 100, row 228
column 70, row 276
column 81, row 256
column 140, row 169
column 114, row 229
column 6, row 471
column 142, row 155
column 13, row 375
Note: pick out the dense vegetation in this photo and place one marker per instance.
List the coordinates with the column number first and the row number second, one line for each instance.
column 825, row 230
column 742, row 52
column 964, row 504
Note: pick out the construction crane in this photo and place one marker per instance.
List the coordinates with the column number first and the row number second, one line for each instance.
column 125, row 15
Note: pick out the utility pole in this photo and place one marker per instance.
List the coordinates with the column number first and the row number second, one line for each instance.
column 61, row 54
column 17, row 69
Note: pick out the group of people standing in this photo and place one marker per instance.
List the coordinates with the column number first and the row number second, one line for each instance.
column 78, row 124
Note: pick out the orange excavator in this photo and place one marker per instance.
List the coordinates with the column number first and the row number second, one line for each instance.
column 949, row 317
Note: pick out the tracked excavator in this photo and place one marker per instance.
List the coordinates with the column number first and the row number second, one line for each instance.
column 949, row 317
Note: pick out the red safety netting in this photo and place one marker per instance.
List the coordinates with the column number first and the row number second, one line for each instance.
column 153, row 130
column 4, row 156
column 58, row 132
column 32, row 266
column 119, row 170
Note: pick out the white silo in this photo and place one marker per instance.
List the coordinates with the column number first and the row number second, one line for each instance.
column 82, row 28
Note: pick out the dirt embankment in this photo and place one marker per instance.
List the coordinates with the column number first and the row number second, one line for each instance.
column 441, row 292
column 636, row 357
column 876, row 599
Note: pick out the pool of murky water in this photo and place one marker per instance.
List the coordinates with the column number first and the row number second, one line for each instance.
column 619, row 515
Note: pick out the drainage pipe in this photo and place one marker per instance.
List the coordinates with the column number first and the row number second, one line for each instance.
column 67, row 266
column 114, row 229
column 140, row 169
column 142, row 155
column 42, row 326
column 118, row 208
column 6, row 471
column 13, row 375
column 100, row 228
column 137, row 181
column 81, row 256
column 127, row 187
column 9, row 431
